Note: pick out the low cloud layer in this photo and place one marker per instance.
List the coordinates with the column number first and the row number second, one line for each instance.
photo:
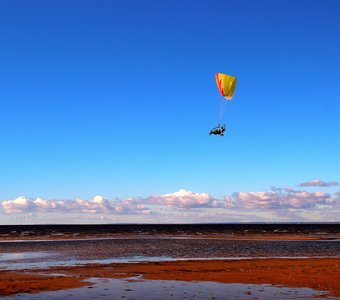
column 321, row 183
column 97, row 205
column 184, row 199
column 279, row 204
column 281, row 199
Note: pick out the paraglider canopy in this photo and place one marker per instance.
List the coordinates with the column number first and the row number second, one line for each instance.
column 226, row 85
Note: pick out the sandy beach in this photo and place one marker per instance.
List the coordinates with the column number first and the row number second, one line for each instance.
column 175, row 265
column 321, row 274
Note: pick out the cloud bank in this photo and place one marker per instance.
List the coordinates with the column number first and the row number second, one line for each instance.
column 184, row 199
column 318, row 182
column 279, row 204
column 97, row 205
column 282, row 199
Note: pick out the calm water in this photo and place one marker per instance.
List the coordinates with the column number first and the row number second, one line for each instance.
column 135, row 288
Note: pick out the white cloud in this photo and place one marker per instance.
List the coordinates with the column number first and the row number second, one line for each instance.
column 280, row 198
column 318, row 182
column 97, row 205
column 184, row 199
column 277, row 204
column 17, row 205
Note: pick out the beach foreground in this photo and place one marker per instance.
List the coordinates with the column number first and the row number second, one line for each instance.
column 320, row 274
column 171, row 262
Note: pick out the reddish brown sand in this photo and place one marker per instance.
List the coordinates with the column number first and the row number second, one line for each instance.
column 317, row 273
column 15, row 283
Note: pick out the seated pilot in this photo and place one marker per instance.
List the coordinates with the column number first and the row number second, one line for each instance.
column 219, row 130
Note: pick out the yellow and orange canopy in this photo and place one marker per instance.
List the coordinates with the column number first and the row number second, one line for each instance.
column 226, row 85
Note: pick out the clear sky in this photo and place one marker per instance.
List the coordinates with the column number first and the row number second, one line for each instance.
column 116, row 98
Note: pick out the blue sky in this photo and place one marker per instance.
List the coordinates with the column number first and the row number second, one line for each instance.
column 116, row 98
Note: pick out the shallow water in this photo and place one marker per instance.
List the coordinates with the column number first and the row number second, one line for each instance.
column 180, row 248
column 43, row 254
column 136, row 288
column 44, row 260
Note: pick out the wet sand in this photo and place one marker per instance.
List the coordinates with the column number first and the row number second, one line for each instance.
column 280, row 263
column 170, row 247
column 322, row 274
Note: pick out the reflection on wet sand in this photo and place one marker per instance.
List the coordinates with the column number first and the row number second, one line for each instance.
column 319, row 274
column 136, row 288
column 173, row 266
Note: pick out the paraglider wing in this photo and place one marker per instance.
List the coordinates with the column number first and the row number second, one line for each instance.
column 226, row 85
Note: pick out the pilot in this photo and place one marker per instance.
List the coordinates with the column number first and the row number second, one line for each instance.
column 219, row 130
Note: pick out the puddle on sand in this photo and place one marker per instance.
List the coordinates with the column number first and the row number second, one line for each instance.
column 44, row 260
column 23, row 255
column 26, row 260
column 136, row 288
